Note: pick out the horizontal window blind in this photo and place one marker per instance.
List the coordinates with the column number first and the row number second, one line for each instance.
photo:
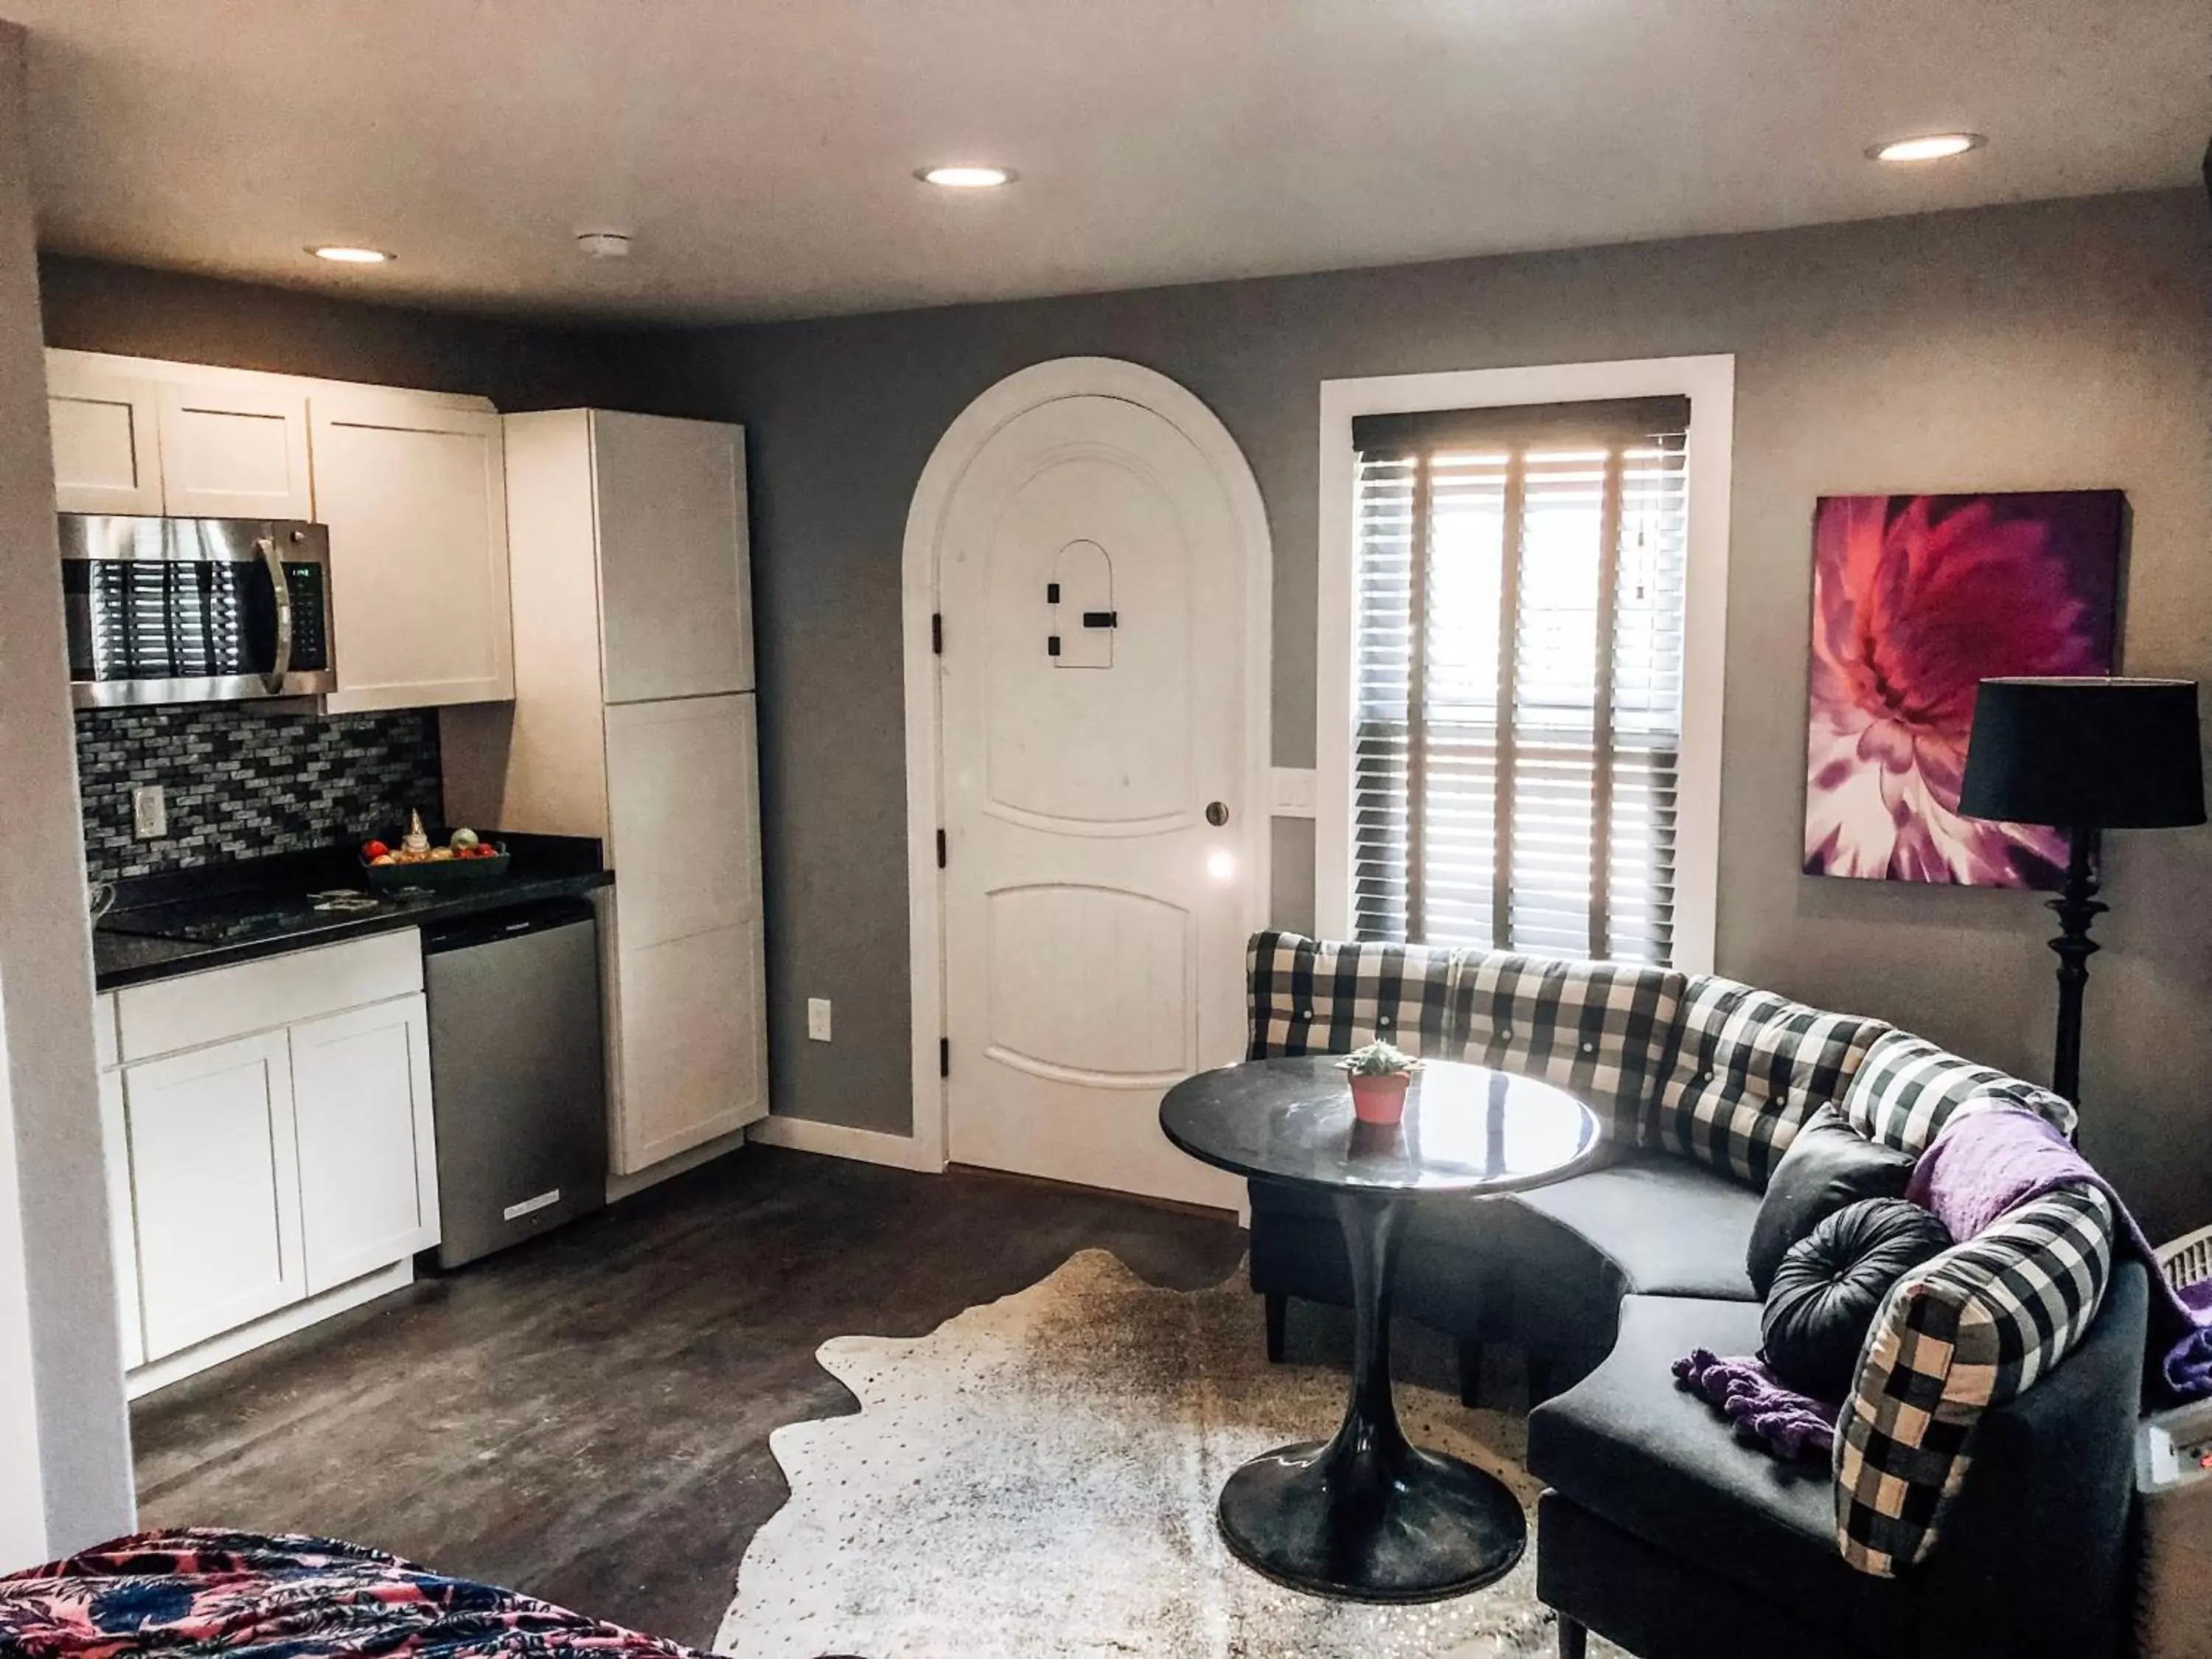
column 1519, row 673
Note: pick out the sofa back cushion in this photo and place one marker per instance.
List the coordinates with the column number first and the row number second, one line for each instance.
column 1908, row 1088
column 1328, row 997
column 1968, row 1330
column 1598, row 1029
column 1749, row 1067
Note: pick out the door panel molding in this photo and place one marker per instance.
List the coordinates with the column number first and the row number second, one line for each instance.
column 962, row 442
column 1053, row 1074
column 1166, row 823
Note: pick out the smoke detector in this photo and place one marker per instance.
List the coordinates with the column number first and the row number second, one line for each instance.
column 603, row 244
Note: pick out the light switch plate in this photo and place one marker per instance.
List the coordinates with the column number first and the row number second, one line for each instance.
column 150, row 811
column 1294, row 792
column 817, row 1018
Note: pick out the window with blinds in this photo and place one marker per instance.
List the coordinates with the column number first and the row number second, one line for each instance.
column 1519, row 664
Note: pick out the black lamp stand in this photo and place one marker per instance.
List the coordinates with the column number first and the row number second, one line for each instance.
column 2076, row 907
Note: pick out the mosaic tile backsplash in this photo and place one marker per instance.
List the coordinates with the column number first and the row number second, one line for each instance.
column 240, row 783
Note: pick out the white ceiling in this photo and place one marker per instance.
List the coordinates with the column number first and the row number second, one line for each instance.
column 762, row 150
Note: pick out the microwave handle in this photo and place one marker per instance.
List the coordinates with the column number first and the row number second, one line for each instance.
column 282, row 669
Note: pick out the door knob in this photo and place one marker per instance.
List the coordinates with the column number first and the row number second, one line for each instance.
column 1217, row 814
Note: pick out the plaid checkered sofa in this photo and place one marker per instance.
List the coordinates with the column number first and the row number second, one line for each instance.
column 1983, row 1474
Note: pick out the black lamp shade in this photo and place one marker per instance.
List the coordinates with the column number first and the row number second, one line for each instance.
column 2086, row 754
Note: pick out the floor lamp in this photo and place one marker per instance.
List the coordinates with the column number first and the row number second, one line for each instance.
column 2083, row 755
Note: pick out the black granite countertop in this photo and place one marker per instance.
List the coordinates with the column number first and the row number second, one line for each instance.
column 268, row 900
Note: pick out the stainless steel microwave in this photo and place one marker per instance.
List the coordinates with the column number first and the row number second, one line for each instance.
column 195, row 610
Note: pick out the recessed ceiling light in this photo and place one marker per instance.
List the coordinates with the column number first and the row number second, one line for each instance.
column 1928, row 147
column 966, row 178
column 352, row 255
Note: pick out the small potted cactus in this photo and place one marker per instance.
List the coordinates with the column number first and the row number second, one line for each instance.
column 1379, row 1075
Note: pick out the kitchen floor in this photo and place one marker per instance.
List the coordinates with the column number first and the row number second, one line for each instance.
column 587, row 1417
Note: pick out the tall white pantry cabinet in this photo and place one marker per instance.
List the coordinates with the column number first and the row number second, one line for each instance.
column 633, row 721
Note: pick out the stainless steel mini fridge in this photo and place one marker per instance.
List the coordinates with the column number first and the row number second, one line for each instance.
column 518, row 1077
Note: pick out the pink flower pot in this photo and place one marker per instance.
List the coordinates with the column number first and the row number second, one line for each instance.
column 1379, row 1099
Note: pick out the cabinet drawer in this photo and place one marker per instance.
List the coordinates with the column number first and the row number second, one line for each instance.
column 194, row 1009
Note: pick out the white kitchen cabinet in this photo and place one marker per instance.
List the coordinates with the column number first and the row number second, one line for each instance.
column 415, row 494
column 214, row 1189
column 115, row 1146
column 686, row 933
column 272, row 1148
column 368, row 1165
column 633, row 721
column 693, row 1063
column 412, row 485
column 105, row 431
column 123, row 1234
column 673, row 568
column 234, row 449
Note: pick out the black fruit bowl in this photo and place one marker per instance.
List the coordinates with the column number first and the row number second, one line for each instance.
column 437, row 876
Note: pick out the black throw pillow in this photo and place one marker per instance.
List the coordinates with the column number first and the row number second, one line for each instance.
column 1831, row 1284
column 1828, row 1165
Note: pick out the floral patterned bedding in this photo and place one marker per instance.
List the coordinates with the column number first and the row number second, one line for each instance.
column 205, row 1593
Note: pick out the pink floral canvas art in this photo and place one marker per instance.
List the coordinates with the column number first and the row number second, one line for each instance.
column 1916, row 600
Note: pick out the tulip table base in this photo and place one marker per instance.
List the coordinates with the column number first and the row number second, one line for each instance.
column 1367, row 1516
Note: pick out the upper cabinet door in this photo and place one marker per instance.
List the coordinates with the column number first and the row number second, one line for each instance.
column 415, row 495
column 675, row 584
column 108, row 452
column 230, row 451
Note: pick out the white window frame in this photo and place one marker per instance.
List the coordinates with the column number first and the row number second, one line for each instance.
column 1709, row 383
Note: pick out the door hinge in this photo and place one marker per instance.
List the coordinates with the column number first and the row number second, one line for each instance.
column 937, row 632
column 940, row 849
column 945, row 1056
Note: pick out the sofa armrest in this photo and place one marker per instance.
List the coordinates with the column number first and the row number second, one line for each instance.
column 2034, row 1551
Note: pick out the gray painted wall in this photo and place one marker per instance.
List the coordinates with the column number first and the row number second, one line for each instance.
column 2050, row 345
column 90, row 305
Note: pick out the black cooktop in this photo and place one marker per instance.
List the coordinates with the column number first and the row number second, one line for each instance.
column 227, row 920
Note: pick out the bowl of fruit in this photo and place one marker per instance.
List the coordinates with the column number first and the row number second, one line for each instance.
column 463, row 860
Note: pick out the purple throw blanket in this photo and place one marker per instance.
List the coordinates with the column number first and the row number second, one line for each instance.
column 1764, row 1411
column 1991, row 1159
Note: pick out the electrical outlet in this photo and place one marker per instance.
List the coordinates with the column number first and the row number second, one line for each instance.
column 149, row 812
column 817, row 1018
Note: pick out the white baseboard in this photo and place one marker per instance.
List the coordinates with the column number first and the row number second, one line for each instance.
column 804, row 1134
column 175, row 1367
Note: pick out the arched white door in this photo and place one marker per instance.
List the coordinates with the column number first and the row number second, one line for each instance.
column 1104, row 822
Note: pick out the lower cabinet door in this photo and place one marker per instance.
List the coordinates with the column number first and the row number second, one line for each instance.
column 369, row 1161
column 123, row 1231
column 214, row 1189
column 692, row 1065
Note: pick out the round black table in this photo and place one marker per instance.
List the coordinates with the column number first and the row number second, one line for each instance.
column 1367, row 1516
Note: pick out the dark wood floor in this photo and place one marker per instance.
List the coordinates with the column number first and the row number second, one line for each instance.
column 587, row 1417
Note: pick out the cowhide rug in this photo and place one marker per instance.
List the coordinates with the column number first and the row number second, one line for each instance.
column 1035, row 1479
